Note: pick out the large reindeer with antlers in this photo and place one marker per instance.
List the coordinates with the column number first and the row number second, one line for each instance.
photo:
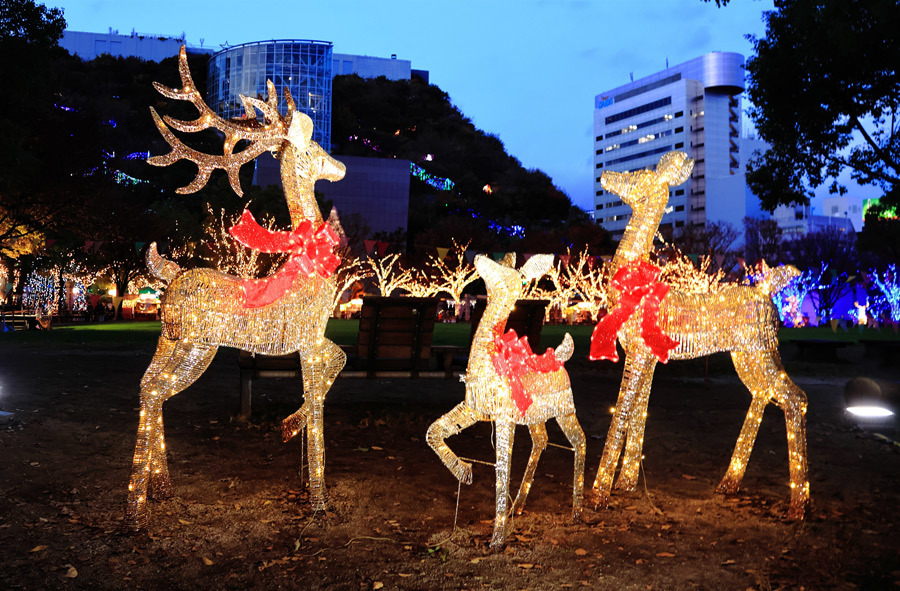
column 204, row 309
column 652, row 325
column 509, row 385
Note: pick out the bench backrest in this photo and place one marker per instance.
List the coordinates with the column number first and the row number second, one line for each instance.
column 395, row 334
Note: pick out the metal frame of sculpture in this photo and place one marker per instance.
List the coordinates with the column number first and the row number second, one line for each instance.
column 509, row 385
column 204, row 309
column 653, row 323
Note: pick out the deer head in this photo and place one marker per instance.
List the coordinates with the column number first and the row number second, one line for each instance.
column 289, row 137
column 505, row 283
column 635, row 188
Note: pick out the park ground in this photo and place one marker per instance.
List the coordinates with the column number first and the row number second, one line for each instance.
column 240, row 517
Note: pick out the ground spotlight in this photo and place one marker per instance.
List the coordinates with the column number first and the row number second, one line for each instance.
column 870, row 399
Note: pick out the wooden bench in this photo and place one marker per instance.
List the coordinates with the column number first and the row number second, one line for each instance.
column 19, row 321
column 394, row 341
column 819, row 349
column 888, row 350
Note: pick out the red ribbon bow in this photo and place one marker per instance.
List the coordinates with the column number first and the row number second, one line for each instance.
column 311, row 252
column 513, row 359
column 637, row 285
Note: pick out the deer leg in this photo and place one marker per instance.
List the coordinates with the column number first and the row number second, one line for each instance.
column 538, row 433
column 506, row 431
column 622, row 416
column 575, row 435
column 764, row 375
column 792, row 401
column 334, row 360
column 634, row 444
column 174, row 367
column 460, row 417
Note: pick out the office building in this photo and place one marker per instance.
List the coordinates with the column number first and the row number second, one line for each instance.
column 148, row 47
column 300, row 65
column 694, row 107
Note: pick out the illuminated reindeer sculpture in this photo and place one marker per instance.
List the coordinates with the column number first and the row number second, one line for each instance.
column 204, row 309
column 652, row 325
column 509, row 385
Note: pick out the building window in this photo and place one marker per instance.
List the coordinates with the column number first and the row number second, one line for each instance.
column 599, row 193
column 638, row 110
column 679, row 223
column 679, row 145
column 679, row 208
column 599, row 206
column 679, row 129
column 640, row 155
column 679, row 113
column 679, row 192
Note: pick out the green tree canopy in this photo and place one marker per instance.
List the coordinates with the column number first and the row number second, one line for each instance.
column 826, row 89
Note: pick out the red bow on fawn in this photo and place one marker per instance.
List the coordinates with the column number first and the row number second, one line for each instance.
column 513, row 359
column 311, row 252
column 637, row 286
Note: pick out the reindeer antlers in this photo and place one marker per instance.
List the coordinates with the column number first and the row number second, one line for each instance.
column 266, row 135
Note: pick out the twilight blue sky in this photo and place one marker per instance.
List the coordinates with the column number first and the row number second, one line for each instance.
column 525, row 70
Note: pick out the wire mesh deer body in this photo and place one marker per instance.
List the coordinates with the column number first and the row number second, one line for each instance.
column 741, row 320
column 204, row 309
column 495, row 390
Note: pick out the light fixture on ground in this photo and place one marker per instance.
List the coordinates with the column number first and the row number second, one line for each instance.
column 872, row 399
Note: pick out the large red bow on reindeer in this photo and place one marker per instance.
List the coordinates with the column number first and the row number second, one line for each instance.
column 513, row 358
column 637, row 285
column 311, row 252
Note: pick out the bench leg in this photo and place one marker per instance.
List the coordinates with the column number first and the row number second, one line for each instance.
column 246, row 391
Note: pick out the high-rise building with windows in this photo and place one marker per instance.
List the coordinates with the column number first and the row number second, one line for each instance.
column 302, row 66
column 694, row 107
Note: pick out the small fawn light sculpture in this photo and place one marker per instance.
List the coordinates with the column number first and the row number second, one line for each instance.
column 509, row 385
column 204, row 309
column 652, row 325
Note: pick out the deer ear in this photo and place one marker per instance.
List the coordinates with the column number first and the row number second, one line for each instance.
column 674, row 168
column 536, row 266
column 484, row 265
column 300, row 132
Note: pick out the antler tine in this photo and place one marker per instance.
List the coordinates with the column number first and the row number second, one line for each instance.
column 248, row 128
column 206, row 163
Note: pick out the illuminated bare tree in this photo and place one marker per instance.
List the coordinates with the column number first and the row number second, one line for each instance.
column 388, row 275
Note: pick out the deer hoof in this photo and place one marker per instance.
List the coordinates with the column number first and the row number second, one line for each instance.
column 463, row 472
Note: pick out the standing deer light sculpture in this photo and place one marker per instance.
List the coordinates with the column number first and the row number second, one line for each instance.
column 509, row 385
column 204, row 309
column 652, row 325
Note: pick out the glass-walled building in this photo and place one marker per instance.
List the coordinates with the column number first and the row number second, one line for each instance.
column 303, row 66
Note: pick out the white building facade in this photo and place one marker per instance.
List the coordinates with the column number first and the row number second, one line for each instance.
column 694, row 107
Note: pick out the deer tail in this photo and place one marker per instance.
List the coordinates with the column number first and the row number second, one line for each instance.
column 160, row 267
column 565, row 349
column 778, row 279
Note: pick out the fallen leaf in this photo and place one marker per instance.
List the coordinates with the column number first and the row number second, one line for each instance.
column 580, row 552
column 184, row 522
column 404, row 575
column 475, row 560
column 665, row 555
column 526, row 565
column 376, row 448
column 207, row 561
column 688, row 477
column 38, row 548
column 71, row 573
column 639, row 561
column 378, row 585
column 727, row 562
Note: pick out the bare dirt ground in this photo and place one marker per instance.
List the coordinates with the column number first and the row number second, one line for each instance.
column 240, row 517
